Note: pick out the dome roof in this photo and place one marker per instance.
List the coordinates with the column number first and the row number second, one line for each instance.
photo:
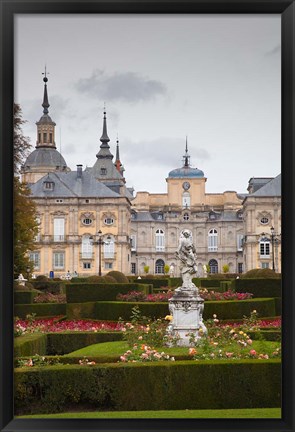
column 46, row 119
column 186, row 171
column 45, row 157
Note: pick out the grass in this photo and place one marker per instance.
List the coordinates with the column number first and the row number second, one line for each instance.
column 207, row 414
column 119, row 347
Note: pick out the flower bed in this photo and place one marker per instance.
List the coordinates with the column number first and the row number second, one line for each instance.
column 133, row 296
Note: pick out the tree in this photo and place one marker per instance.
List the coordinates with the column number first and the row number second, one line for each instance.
column 225, row 268
column 166, row 268
column 25, row 225
column 146, row 269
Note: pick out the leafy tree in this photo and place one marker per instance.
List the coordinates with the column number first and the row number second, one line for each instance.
column 166, row 268
column 225, row 268
column 146, row 269
column 25, row 225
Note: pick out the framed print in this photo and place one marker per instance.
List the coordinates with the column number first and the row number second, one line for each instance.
column 147, row 215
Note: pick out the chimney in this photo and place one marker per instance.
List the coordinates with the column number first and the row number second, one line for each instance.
column 79, row 171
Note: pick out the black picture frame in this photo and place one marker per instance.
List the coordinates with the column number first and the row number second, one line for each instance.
column 287, row 10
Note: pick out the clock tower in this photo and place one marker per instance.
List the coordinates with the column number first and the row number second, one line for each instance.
column 186, row 185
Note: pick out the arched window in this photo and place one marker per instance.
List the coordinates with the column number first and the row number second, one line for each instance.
column 159, row 269
column 186, row 200
column 264, row 247
column 109, row 247
column 212, row 240
column 86, row 246
column 160, row 240
column 213, row 264
column 186, row 216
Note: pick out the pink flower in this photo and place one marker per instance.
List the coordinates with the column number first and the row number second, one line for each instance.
column 253, row 352
column 123, row 358
column 229, row 354
column 249, row 341
column 192, row 351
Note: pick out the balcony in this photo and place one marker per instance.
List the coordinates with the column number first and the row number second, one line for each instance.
column 86, row 255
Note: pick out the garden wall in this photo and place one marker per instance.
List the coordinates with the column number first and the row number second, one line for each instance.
column 154, row 386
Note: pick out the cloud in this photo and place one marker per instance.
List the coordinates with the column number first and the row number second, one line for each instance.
column 127, row 87
column 273, row 51
column 164, row 151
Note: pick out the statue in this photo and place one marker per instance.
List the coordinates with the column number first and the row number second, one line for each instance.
column 171, row 271
column 186, row 253
column 205, row 270
column 186, row 306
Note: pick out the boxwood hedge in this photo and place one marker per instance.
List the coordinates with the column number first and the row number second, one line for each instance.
column 153, row 386
column 30, row 344
column 87, row 292
column 24, row 297
column 112, row 311
column 40, row 309
column 259, row 287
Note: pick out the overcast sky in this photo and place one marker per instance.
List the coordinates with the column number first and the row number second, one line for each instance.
column 212, row 78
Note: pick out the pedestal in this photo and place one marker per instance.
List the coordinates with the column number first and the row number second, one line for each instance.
column 186, row 308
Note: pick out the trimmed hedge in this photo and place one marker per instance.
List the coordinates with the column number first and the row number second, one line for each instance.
column 54, row 287
column 24, row 297
column 112, row 311
column 259, row 287
column 29, row 345
column 40, row 309
column 173, row 386
column 65, row 343
column 87, row 292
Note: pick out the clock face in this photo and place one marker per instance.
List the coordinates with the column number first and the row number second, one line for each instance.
column 186, row 185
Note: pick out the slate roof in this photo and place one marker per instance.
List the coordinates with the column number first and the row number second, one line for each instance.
column 68, row 185
column 272, row 188
column 45, row 157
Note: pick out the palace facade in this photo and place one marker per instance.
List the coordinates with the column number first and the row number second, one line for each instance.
column 90, row 222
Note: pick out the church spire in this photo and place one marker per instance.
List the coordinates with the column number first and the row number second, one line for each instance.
column 104, row 152
column 45, row 103
column 186, row 157
column 118, row 163
column 104, row 138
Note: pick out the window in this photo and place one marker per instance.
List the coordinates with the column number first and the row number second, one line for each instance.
column 133, row 242
column 213, row 266
column 109, row 248
column 212, row 240
column 39, row 137
column 44, row 137
column 240, row 215
column 50, row 138
column 264, row 220
column 186, row 216
column 109, row 221
column 58, row 260
column 265, row 265
column 159, row 269
column 87, row 221
column 38, row 236
column 108, row 265
column 240, row 242
column 240, row 267
column 186, row 200
column 133, row 268
column 35, row 259
column 86, row 265
column 103, row 171
column 160, row 240
column 212, row 216
column 265, row 248
column 48, row 185
column 58, row 200
column 86, row 247
column 58, row 229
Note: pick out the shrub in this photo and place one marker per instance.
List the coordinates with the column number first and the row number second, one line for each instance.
column 122, row 386
column 259, row 287
column 225, row 268
column 118, row 276
column 260, row 273
column 80, row 293
column 96, row 279
column 53, row 287
column 25, row 297
column 41, row 310
column 30, row 344
column 109, row 279
column 146, row 269
column 50, row 298
column 42, row 278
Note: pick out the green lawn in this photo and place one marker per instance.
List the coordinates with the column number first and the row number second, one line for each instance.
column 228, row 413
column 118, row 348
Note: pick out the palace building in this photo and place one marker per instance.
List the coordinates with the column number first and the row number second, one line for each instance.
column 90, row 222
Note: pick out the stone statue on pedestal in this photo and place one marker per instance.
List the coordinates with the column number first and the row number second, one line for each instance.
column 186, row 306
